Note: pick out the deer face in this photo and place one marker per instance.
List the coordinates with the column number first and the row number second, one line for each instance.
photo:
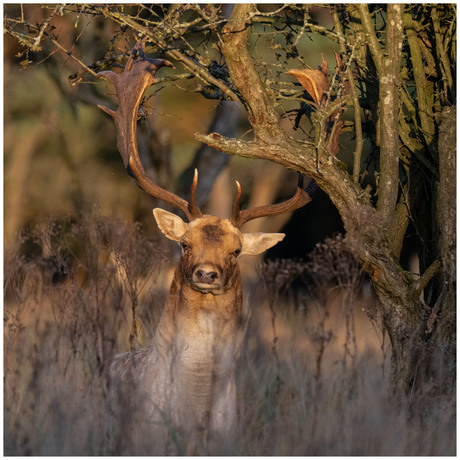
column 210, row 249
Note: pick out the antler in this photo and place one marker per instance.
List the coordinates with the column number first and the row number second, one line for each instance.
column 138, row 75
column 299, row 199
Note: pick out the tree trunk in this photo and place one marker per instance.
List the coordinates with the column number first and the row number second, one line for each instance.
column 446, row 336
column 402, row 311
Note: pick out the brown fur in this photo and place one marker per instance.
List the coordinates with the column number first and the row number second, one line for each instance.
column 188, row 371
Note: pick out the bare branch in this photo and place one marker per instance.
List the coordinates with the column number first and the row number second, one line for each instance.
column 354, row 97
column 423, row 281
column 371, row 37
column 390, row 83
column 69, row 53
column 441, row 51
column 425, row 109
column 262, row 115
column 400, row 223
column 198, row 70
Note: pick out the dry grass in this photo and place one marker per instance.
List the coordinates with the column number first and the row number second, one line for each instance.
column 312, row 375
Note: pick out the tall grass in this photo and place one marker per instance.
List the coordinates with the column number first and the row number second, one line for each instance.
column 311, row 377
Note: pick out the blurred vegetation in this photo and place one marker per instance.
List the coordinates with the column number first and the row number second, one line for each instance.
column 312, row 377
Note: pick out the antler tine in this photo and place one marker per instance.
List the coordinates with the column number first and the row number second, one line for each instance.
column 192, row 207
column 138, row 75
column 236, row 205
column 299, row 199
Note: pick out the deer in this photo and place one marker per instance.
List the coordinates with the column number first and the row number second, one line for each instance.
column 187, row 373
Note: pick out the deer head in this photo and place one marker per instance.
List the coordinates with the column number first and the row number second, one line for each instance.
column 210, row 249
column 210, row 245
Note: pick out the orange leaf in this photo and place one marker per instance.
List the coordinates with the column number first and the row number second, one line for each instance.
column 316, row 82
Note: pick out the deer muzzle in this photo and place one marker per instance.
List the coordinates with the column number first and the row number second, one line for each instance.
column 207, row 278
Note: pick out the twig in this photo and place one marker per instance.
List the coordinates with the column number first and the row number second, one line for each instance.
column 69, row 53
column 38, row 39
column 199, row 71
column 354, row 97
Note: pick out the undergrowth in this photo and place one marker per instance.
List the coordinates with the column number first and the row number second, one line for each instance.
column 311, row 378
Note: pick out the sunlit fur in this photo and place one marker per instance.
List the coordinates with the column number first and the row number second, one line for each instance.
column 187, row 373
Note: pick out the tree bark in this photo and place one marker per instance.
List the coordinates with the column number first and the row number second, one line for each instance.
column 390, row 83
column 447, row 218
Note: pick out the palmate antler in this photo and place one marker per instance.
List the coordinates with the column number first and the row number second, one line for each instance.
column 138, row 75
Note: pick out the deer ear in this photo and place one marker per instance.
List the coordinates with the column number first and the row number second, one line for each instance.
column 172, row 226
column 256, row 243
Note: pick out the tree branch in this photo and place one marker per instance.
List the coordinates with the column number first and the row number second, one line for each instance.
column 69, row 53
column 424, row 111
column 354, row 97
column 400, row 223
column 262, row 115
column 441, row 51
column 253, row 149
column 422, row 282
column 371, row 36
column 390, row 83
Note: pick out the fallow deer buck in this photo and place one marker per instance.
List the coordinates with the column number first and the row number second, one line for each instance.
column 187, row 372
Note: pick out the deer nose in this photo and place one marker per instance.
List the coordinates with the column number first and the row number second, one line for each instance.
column 206, row 274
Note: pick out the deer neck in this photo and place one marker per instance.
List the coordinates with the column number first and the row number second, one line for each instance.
column 197, row 321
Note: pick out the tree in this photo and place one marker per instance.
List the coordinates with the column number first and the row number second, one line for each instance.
column 396, row 74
